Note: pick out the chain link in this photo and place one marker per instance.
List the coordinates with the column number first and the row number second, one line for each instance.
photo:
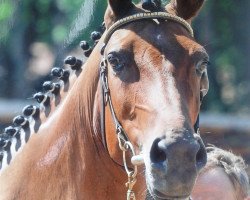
column 130, row 184
column 126, row 146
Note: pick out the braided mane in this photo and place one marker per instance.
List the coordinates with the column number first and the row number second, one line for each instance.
column 54, row 92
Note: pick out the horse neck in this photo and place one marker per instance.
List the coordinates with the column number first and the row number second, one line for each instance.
column 112, row 175
column 47, row 111
column 35, row 124
column 68, row 148
column 82, row 128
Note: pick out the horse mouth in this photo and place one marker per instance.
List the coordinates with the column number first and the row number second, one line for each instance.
column 156, row 195
column 162, row 193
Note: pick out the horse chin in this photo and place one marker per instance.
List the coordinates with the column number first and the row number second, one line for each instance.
column 157, row 195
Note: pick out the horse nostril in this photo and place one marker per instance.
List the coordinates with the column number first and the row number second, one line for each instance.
column 157, row 154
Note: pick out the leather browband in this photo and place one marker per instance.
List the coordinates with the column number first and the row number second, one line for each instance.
column 151, row 15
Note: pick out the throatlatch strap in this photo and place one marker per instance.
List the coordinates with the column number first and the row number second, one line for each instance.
column 197, row 124
column 103, row 135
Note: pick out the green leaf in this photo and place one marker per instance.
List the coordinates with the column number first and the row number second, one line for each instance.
column 6, row 10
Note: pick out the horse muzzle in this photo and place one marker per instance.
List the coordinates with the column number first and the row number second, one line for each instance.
column 172, row 165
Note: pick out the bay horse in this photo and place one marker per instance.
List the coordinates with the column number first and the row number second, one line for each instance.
column 138, row 97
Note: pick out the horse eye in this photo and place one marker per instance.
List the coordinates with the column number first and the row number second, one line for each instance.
column 115, row 62
column 202, row 67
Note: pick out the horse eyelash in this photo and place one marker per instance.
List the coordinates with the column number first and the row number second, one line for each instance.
column 208, row 63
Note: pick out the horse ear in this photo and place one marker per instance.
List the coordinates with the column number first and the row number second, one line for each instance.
column 120, row 7
column 186, row 9
column 116, row 10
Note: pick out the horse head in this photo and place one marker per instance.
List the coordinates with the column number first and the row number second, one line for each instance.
column 138, row 95
column 157, row 77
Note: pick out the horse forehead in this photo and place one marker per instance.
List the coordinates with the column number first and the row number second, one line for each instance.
column 147, row 31
column 162, row 38
column 190, row 45
column 121, row 39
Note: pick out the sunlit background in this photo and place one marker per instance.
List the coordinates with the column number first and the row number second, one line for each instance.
column 37, row 35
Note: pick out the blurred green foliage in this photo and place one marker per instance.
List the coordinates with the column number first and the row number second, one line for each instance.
column 222, row 27
column 6, row 12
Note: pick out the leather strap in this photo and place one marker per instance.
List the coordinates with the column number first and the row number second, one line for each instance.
column 147, row 15
column 197, row 125
column 103, row 134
